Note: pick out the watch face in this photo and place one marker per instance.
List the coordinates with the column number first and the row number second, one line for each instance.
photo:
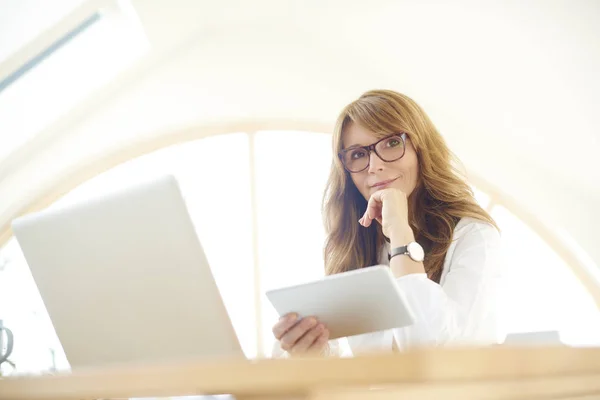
column 415, row 251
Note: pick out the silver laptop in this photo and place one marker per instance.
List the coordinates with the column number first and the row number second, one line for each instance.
column 125, row 280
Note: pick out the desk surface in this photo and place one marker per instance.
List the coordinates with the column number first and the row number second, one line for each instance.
column 315, row 376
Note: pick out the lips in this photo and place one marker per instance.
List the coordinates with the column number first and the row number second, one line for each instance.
column 382, row 184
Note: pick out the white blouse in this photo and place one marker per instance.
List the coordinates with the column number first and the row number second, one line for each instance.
column 461, row 310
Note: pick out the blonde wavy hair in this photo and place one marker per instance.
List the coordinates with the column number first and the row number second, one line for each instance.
column 441, row 198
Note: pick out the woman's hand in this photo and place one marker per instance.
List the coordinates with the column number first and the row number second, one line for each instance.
column 304, row 336
column 390, row 208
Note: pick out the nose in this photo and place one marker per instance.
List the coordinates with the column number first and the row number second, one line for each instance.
column 375, row 163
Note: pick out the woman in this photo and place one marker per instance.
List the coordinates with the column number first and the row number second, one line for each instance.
column 393, row 195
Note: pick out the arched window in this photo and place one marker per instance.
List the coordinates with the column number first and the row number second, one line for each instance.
column 273, row 183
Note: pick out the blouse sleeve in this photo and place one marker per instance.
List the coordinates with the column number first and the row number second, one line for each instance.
column 463, row 309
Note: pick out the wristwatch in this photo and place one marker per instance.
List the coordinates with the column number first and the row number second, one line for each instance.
column 413, row 250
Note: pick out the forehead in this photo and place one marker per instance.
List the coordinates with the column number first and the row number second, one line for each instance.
column 356, row 134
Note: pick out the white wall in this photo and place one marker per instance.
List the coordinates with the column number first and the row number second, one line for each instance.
column 512, row 87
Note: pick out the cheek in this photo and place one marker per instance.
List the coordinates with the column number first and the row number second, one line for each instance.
column 412, row 173
column 414, row 170
column 408, row 170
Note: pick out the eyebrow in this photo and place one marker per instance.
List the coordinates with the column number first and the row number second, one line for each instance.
column 354, row 146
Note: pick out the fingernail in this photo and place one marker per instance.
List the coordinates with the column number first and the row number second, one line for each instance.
column 291, row 317
column 320, row 328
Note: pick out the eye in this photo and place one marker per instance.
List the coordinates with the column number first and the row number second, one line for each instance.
column 393, row 142
column 356, row 154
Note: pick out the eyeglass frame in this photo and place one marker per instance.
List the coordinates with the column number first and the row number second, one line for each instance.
column 372, row 149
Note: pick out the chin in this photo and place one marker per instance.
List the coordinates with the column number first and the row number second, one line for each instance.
column 367, row 193
column 409, row 192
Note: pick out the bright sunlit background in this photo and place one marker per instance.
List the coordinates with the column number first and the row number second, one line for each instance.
column 285, row 185
column 238, row 100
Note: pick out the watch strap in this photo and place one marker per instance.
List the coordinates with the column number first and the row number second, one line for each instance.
column 397, row 251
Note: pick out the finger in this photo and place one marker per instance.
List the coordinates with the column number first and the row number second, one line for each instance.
column 284, row 324
column 289, row 339
column 362, row 220
column 306, row 341
column 320, row 344
column 374, row 206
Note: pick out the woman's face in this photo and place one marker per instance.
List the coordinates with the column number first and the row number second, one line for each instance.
column 400, row 174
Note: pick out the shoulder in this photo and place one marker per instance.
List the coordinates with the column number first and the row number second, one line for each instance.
column 474, row 240
column 472, row 229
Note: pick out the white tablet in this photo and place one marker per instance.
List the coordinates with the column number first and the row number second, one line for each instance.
column 125, row 279
column 350, row 303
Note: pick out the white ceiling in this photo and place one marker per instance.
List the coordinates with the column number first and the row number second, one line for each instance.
column 22, row 20
column 513, row 86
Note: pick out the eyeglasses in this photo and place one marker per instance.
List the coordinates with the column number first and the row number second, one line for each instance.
column 390, row 148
